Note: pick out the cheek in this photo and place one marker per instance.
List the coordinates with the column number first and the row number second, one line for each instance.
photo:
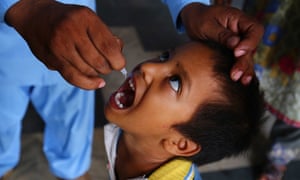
column 159, row 112
column 152, row 118
column 154, row 106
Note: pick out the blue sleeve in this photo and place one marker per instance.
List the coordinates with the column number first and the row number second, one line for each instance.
column 197, row 173
column 175, row 6
column 4, row 6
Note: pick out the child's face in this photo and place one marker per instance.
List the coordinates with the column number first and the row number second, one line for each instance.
column 160, row 94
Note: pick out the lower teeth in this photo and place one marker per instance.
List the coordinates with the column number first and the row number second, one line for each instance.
column 117, row 99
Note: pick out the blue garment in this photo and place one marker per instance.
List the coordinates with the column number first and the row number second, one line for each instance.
column 175, row 6
column 68, row 114
column 68, row 111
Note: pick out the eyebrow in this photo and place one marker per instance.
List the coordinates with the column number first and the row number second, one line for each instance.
column 186, row 77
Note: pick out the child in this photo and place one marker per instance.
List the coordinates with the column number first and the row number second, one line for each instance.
column 177, row 109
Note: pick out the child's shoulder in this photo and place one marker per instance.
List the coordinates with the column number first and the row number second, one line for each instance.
column 178, row 168
column 111, row 127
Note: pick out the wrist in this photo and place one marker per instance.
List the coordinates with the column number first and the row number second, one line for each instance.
column 190, row 10
column 24, row 11
column 191, row 17
column 27, row 15
column 4, row 6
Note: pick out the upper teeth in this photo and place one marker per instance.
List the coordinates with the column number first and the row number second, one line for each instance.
column 131, row 84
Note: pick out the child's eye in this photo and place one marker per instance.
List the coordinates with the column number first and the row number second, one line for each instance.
column 175, row 83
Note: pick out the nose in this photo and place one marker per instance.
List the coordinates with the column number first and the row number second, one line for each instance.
column 152, row 70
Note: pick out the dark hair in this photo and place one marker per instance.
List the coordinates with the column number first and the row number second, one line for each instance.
column 227, row 127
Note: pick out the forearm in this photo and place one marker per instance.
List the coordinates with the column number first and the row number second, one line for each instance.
column 22, row 14
column 4, row 6
column 176, row 6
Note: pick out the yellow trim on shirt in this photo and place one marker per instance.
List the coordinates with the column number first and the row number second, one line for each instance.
column 175, row 169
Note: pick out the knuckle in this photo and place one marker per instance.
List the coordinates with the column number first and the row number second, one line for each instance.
column 102, row 67
column 109, row 47
column 89, row 71
column 105, row 70
column 223, row 36
column 232, row 12
column 97, row 62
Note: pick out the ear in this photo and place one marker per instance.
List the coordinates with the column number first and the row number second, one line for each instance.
column 181, row 146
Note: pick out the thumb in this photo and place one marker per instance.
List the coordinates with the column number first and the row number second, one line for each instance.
column 215, row 31
column 232, row 41
column 225, row 37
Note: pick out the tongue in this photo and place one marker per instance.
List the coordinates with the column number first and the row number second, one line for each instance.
column 127, row 99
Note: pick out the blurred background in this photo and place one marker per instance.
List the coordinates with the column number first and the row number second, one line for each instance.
column 146, row 29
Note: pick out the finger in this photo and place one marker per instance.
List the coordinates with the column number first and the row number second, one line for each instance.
column 120, row 42
column 244, row 64
column 119, row 65
column 248, row 75
column 75, row 77
column 223, row 35
column 108, row 45
column 92, row 57
column 252, row 33
column 67, row 52
column 81, row 64
column 223, row 29
column 232, row 41
column 112, row 51
column 240, row 31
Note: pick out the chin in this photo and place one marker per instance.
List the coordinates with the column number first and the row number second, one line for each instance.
column 111, row 115
column 108, row 113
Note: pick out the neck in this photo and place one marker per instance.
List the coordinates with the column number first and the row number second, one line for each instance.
column 137, row 158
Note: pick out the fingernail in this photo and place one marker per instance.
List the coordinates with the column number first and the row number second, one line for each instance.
column 247, row 79
column 102, row 84
column 237, row 75
column 239, row 53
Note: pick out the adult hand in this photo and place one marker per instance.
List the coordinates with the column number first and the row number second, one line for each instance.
column 229, row 26
column 71, row 39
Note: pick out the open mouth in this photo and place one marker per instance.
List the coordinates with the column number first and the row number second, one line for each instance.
column 124, row 96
